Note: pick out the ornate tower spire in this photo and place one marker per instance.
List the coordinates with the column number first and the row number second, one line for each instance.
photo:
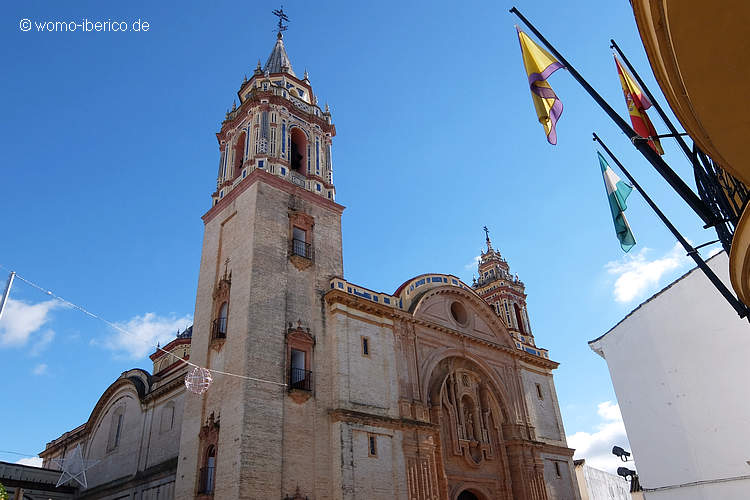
column 503, row 291
column 278, row 61
column 277, row 127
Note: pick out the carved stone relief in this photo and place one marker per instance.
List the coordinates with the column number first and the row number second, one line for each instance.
column 471, row 414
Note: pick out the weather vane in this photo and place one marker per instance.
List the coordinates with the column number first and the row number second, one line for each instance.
column 282, row 18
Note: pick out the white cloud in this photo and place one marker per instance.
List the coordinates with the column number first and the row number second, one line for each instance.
column 40, row 369
column 143, row 332
column 714, row 251
column 636, row 274
column 20, row 320
column 596, row 447
column 473, row 264
column 42, row 342
column 31, row 461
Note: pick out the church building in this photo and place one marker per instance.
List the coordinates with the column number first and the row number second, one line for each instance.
column 322, row 388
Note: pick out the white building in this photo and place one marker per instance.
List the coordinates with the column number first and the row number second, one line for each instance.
column 679, row 366
column 595, row 484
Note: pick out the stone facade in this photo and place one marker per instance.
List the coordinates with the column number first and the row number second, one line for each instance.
column 323, row 389
column 335, row 391
column 133, row 431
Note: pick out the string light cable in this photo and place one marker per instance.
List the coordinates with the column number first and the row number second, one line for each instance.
column 130, row 334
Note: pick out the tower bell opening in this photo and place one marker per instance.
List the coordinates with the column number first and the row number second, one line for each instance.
column 297, row 160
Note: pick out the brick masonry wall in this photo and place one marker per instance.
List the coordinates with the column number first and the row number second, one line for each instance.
column 564, row 486
column 269, row 444
column 545, row 412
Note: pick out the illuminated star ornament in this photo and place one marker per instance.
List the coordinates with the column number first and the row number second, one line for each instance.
column 198, row 380
column 74, row 467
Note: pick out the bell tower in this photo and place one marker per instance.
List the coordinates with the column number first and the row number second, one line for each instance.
column 504, row 292
column 279, row 128
column 272, row 243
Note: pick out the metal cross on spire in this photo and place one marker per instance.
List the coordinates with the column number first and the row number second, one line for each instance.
column 282, row 18
column 486, row 232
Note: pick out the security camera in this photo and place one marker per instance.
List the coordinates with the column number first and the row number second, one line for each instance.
column 625, row 472
column 619, row 452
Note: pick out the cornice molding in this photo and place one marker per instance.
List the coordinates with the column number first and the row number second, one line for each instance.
column 353, row 416
column 259, row 175
column 368, row 306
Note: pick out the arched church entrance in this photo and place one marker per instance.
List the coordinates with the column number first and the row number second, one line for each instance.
column 467, row 495
column 480, row 439
column 471, row 413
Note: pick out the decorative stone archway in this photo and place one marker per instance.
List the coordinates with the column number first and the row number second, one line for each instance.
column 469, row 412
column 478, row 441
column 472, row 430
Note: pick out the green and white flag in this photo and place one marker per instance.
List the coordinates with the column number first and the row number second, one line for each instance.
column 617, row 192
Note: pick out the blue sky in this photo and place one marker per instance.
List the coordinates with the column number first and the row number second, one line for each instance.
column 110, row 157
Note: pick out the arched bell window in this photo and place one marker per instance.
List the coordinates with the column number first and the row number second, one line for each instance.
column 298, row 156
column 239, row 153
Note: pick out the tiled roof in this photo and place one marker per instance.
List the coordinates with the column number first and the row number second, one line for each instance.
column 278, row 61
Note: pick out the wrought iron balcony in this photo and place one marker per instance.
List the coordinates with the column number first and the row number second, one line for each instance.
column 725, row 195
column 219, row 328
column 206, row 480
column 300, row 379
column 300, row 248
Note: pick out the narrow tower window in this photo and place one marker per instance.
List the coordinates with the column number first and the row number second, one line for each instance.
column 299, row 376
column 519, row 321
column 299, row 242
column 239, row 147
column 317, row 156
column 283, row 139
column 372, row 445
column 219, row 327
column 208, row 472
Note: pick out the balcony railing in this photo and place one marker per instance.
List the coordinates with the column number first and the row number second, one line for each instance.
column 206, row 480
column 219, row 328
column 725, row 195
column 301, row 248
column 300, row 379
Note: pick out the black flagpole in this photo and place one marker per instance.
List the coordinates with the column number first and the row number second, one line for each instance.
column 662, row 114
column 652, row 156
column 692, row 252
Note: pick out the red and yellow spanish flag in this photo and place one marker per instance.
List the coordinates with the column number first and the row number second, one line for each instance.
column 638, row 103
column 539, row 65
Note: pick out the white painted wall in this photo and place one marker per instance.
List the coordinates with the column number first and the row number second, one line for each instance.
column 596, row 484
column 679, row 364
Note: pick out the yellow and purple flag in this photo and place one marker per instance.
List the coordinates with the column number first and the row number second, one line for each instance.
column 539, row 65
column 638, row 103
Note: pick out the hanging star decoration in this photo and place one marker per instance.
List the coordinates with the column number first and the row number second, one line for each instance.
column 74, row 467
